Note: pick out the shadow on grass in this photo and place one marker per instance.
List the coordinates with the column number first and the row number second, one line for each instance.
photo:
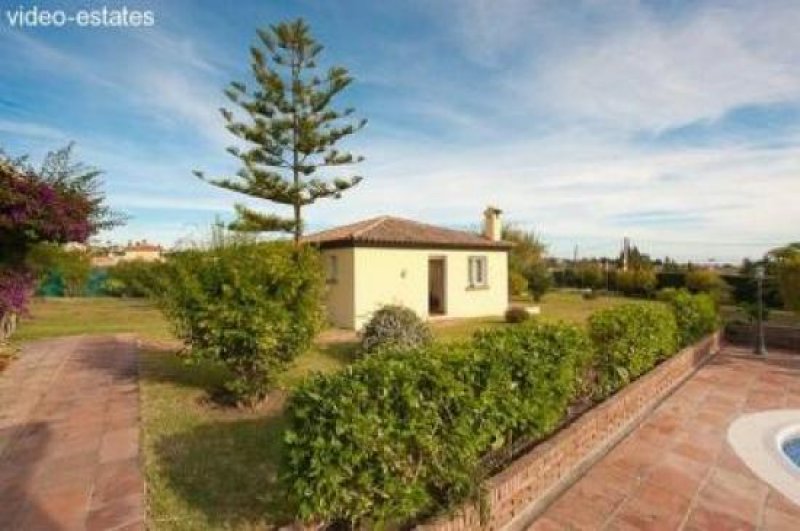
column 227, row 471
column 168, row 366
column 344, row 352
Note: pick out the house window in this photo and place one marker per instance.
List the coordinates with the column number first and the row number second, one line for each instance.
column 333, row 269
column 477, row 272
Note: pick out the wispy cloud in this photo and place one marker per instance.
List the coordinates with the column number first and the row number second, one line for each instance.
column 33, row 130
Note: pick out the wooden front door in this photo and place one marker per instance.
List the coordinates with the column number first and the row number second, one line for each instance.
column 436, row 286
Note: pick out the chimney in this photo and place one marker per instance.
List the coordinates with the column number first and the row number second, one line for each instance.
column 492, row 226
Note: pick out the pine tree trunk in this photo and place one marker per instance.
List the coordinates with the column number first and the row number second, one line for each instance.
column 298, row 232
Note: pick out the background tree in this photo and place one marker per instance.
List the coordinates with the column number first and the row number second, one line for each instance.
column 527, row 267
column 787, row 260
column 291, row 129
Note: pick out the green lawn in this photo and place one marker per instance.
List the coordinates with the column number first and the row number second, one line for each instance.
column 54, row 317
column 209, row 467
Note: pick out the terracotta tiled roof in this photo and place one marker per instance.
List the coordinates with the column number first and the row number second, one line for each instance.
column 144, row 247
column 388, row 231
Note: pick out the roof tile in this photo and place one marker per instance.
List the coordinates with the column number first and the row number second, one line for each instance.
column 392, row 231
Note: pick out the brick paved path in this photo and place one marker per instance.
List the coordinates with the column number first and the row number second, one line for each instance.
column 677, row 470
column 69, row 437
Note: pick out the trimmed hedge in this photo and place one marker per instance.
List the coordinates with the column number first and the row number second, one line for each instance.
column 695, row 315
column 405, row 435
column 629, row 340
column 394, row 438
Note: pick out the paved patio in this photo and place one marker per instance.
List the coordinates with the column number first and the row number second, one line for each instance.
column 677, row 471
column 69, row 437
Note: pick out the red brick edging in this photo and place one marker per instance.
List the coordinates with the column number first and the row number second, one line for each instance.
column 520, row 492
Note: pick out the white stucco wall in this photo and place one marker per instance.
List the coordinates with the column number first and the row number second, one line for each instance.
column 400, row 276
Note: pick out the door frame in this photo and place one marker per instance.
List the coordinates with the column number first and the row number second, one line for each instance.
column 443, row 305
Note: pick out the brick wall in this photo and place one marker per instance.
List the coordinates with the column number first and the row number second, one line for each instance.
column 777, row 337
column 518, row 493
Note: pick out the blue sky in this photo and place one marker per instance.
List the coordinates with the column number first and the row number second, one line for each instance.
column 675, row 123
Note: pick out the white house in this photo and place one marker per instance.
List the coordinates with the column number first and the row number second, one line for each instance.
column 435, row 271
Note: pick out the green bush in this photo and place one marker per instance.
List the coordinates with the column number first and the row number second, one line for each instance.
column 397, row 437
column 629, row 340
column 707, row 281
column 789, row 279
column 517, row 284
column 539, row 279
column 72, row 266
column 695, row 315
column 589, row 295
column 251, row 307
column 590, row 275
column 394, row 327
column 517, row 314
column 636, row 282
column 132, row 278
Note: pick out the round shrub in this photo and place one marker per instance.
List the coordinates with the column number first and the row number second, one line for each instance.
column 589, row 295
column 517, row 314
column 629, row 340
column 252, row 307
column 636, row 282
column 394, row 327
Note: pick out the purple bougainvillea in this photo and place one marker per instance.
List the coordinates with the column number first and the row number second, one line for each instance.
column 33, row 210
column 15, row 289
column 41, row 212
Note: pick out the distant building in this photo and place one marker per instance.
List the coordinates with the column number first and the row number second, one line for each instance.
column 140, row 250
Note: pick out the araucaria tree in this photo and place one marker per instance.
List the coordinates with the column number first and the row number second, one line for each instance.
column 289, row 129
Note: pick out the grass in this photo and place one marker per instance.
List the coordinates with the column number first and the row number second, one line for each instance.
column 216, row 468
column 55, row 317
column 206, row 467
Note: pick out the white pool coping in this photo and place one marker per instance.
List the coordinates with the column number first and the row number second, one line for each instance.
column 757, row 438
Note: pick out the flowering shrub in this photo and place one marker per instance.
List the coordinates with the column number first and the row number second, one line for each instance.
column 34, row 210
column 15, row 286
column 58, row 205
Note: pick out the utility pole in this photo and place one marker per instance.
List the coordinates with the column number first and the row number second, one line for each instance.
column 626, row 251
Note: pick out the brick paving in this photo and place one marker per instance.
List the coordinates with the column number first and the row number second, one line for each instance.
column 69, row 437
column 677, row 470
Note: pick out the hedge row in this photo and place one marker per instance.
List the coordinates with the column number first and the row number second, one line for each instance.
column 400, row 436
column 742, row 287
column 629, row 341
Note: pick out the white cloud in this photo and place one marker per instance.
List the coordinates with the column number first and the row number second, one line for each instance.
column 30, row 129
column 654, row 75
column 626, row 67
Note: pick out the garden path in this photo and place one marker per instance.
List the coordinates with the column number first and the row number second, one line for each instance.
column 69, row 436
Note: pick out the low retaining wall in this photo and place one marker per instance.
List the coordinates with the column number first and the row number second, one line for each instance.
column 775, row 336
column 520, row 492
